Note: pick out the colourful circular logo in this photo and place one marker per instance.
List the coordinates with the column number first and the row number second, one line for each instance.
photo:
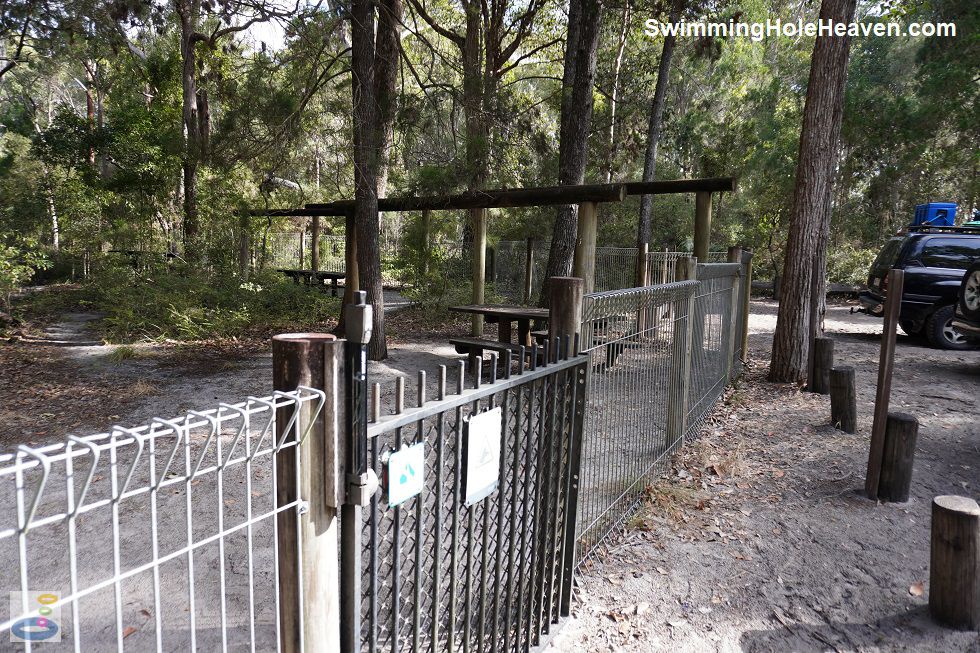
column 34, row 629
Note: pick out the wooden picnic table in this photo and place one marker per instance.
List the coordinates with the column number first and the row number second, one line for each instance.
column 504, row 315
column 320, row 276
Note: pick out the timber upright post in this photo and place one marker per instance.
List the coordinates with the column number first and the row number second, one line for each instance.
column 746, row 303
column 686, row 269
column 584, row 266
column 734, row 256
column 308, row 474
column 823, row 361
column 898, row 457
column 843, row 399
column 315, row 244
column 566, row 295
column 702, row 224
column 479, row 221
column 886, row 363
column 641, row 265
column 361, row 482
column 528, row 270
column 954, row 562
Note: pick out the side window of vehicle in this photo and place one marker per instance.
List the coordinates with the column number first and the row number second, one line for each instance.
column 955, row 253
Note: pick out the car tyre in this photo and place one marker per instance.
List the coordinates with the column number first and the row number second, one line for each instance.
column 940, row 332
column 908, row 326
column 969, row 295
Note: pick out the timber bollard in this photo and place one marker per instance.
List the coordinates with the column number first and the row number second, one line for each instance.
column 308, row 533
column 823, row 360
column 954, row 562
column 901, row 431
column 843, row 399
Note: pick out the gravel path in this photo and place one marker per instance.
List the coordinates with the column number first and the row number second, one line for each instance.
column 760, row 540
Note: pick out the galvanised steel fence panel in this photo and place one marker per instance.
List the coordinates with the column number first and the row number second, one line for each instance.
column 631, row 338
column 713, row 331
column 158, row 537
column 438, row 575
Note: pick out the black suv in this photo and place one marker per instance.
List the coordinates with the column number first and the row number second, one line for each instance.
column 967, row 319
column 934, row 259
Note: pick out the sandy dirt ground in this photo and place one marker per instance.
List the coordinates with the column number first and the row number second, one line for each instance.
column 760, row 539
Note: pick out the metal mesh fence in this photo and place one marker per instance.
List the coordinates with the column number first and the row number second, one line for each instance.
column 661, row 357
column 438, row 574
column 162, row 537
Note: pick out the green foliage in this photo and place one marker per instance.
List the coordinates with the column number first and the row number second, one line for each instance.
column 849, row 264
column 20, row 258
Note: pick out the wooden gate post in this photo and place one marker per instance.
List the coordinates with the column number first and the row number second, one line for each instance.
column 641, row 265
column 309, row 532
column 954, row 563
column 843, row 399
column 566, row 296
column 315, row 244
column 680, row 382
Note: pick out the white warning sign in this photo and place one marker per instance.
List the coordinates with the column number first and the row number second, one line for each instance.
column 483, row 435
column 405, row 473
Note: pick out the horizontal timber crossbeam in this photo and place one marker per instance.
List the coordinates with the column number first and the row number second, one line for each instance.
column 674, row 186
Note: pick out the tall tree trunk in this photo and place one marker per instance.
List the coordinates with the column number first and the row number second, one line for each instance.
column 366, row 220
column 189, row 13
column 385, row 79
column 614, row 97
column 584, row 17
column 810, row 217
column 656, row 121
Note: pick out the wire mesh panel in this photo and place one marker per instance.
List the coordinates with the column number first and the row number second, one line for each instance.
column 630, row 337
column 713, row 335
column 440, row 575
column 159, row 537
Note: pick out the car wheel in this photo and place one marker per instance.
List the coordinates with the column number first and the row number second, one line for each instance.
column 908, row 326
column 970, row 293
column 942, row 334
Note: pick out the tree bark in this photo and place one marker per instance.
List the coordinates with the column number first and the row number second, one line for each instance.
column 366, row 220
column 189, row 13
column 385, row 78
column 806, row 245
column 584, row 17
column 656, row 121
column 614, row 96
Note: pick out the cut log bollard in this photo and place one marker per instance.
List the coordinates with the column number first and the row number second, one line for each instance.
column 901, row 431
column 823, row 361
column 954, row 564
column 843, row 399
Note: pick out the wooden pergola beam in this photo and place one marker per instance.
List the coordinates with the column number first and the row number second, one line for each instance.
column 490, row 199
column 676, row 186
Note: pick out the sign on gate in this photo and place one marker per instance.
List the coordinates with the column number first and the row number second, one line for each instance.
column 405, row 471
column 483, row 435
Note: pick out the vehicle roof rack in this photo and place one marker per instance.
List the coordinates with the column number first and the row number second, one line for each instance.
column 935, row 229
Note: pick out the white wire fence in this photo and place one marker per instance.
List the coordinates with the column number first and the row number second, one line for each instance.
column 161, row 537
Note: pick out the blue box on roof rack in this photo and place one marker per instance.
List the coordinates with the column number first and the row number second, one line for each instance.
column 935, row 214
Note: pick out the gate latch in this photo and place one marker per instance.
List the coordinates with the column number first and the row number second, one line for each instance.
column 361, row 487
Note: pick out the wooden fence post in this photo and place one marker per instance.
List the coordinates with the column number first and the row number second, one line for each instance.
column 823, row 360
column 734, row 256
column 886, row 362
column 642, row 273
column 685, row 269
column 702, row 225
column 478, row 219
column 302, row 250
column 529, row 271
column 566, row 296
column 309, row 532
column 492, row 264
column 584, row 266
column 315, row 244
column 843, row 399
column 954, row 563
column 898, row 457
column 746, row 303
